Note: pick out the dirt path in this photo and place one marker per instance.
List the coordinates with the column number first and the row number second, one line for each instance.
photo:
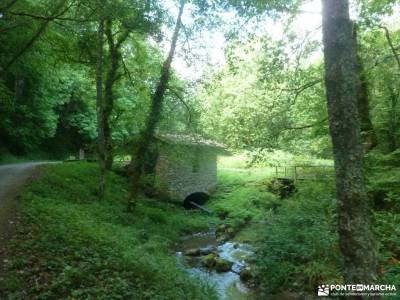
column 12, row 178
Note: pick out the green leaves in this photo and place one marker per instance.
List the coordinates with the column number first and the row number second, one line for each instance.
column 292, row 252
column 263, row 94
column 256, row 7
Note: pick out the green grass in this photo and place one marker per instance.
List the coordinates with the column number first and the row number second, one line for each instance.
column 69, row 245
column 242, row 196
column 267, row 158
column 237, row 161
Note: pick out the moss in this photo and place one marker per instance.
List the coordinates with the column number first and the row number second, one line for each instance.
column 209, row 260
column 223, row 265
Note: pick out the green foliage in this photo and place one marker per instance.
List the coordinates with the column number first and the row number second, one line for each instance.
column 270, row 93
column 295, row 237
column 241, row 197
column 36, row 85
column 69, row 245
column 387, row 231
column 382, row 73
column 235, row 161
column 256, row 7
column 282, row 158
column 276, row 97
column 373, row 11
column 295, row 240
column 47, row 95
column 384, row 180
column 384, row 189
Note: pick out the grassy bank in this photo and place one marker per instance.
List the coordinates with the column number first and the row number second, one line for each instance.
column 297, row 245
column 293, row 236
column 70, row 245
column 242, row 197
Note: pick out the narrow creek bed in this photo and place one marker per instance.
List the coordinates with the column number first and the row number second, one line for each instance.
column 223, row 266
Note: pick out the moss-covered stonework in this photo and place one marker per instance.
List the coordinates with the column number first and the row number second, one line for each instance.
column 181, row 170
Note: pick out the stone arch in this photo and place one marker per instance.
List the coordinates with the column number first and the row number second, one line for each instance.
column 198, row 197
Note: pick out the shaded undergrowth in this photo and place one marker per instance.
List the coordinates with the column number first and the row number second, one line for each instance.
column 71, row 246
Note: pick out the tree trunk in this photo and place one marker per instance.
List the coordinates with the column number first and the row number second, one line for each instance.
column 115, row 58
column 146, row 136
column 355, row 237
column 108, row 93
column 368, row 133
column 100, row 108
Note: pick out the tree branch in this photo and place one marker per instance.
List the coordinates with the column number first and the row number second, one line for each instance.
column 306, row 126
column 38, row 33
column 127, row 73
column 8, row 6
column 389, row 40
column 188, row 109
column 48, row 18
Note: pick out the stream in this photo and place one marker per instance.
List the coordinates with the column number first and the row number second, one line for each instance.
column 195, row 248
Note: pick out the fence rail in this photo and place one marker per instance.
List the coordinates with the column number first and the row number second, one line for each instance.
column 304, row 172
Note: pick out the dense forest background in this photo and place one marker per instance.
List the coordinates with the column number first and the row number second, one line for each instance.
column 48, row 86
column 48, row 80
column 255, row 76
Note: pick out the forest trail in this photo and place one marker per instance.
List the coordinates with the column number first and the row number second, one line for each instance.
column 12, row 178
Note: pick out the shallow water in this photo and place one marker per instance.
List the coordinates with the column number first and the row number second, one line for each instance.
column 199, row 240
column 228, row 285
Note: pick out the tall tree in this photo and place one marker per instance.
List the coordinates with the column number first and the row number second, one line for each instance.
column 114, row 49
column 122, row 19
column 355, row 237
column 157, row 99
column 101, row 143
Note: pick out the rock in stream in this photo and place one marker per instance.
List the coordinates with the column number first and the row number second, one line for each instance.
column 220, row 265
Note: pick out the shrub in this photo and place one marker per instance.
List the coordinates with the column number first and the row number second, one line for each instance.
column 296, row 238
